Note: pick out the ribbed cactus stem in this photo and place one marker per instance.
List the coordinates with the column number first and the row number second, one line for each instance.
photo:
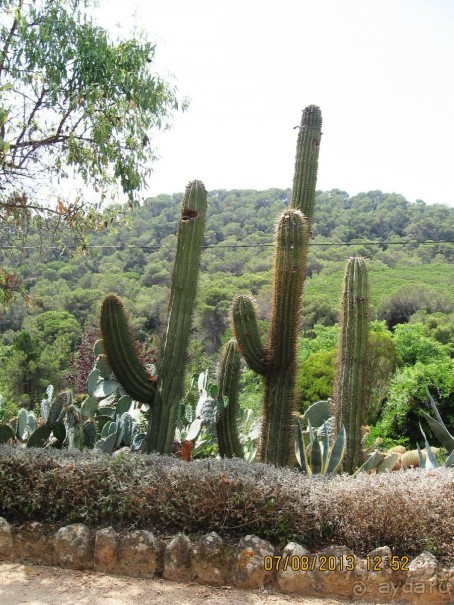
column 289, row 271
column 306, row 163
column 350, row 385
column 278, row 426
column 228, row 382
column 121, row 352
column 244, row 318
column 166, row 391
column 277, row 361
column 178, row 322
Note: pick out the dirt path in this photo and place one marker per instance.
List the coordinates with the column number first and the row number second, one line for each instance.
column 36, row 585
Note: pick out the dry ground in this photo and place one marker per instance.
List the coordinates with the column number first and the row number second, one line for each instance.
column 37, row 585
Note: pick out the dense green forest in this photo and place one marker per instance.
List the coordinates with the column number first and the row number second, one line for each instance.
column 46, row 336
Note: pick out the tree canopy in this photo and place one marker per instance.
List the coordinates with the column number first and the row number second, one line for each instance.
column 72, row 102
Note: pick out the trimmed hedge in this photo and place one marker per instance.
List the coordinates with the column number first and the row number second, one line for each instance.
column 407, row 510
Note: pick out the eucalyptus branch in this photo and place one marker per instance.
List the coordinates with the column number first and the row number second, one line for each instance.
column 38, row 104
column 7, row 45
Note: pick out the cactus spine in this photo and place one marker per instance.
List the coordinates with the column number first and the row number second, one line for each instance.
column 277, row 361
column 306, row 163
column 350, row 395
column 228, row 381
column 164, row 391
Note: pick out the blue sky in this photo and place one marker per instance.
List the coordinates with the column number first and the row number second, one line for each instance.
column 380, row 70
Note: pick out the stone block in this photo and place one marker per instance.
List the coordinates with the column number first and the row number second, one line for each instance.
column 211, row 560
column 249, row 569
column 106, row 550
column 6, row 541
column 73, row 547
column 32, row 542
column 177, row 559
column 139, row 554
column 293, row 574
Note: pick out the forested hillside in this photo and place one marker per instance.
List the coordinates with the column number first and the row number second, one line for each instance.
column 409, row 250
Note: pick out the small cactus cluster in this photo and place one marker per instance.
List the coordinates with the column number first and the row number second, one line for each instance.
column 398, row 457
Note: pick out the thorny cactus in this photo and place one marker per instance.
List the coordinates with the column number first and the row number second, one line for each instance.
column 228, row 383
column 350, row 395
column 277, row 361
column 306, row 163
column 162, row 392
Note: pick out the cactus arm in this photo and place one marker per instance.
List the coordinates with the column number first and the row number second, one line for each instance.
column 306, row 163
column 184, row 279
column 228, row 382
column 244, row 319
column 178, row 322
column 121, row 352
column 350, row 383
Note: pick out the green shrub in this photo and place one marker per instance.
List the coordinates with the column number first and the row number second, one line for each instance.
column 315, row 378
column 413, row 346
column 399, row 422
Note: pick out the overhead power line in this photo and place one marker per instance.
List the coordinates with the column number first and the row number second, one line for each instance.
column 121, row 247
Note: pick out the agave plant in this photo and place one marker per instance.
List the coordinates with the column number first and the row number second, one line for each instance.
column 430, row 462
column 320, row 421
column 438, row 426
column 318, row 458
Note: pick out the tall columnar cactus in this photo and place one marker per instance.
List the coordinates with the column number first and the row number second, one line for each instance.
column 277, row 361
column 163, row 391
column 350, row 396
column 306, row 163
column 228, row 381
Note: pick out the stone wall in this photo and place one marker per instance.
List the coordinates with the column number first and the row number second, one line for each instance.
column 250, row 563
